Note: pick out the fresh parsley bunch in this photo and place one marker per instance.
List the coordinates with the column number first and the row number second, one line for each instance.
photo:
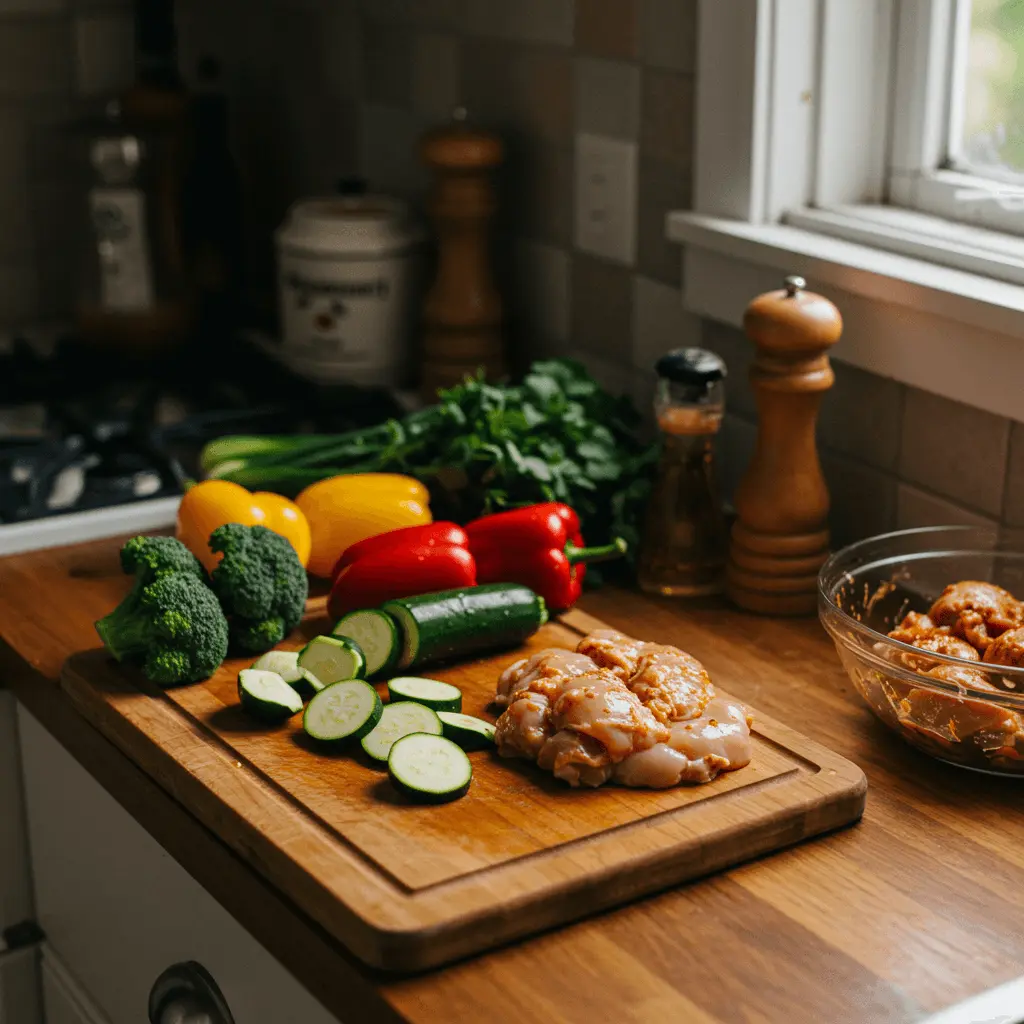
column 556, row 436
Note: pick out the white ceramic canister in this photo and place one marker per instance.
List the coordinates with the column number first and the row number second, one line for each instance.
column 348, row 276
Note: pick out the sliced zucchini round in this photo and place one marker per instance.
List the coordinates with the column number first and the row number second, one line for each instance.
column 430, row 692
column 377, row 634
column 332, row 659
column 470, row 733
column 284, row 663
column 344, row 710
column 396, row 721
column 429, row 768
column 266, row 696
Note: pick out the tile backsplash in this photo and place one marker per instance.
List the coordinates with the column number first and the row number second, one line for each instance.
column 325, row 88
column 894, row 456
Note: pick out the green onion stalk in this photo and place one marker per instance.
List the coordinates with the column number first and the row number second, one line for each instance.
column 556, row 436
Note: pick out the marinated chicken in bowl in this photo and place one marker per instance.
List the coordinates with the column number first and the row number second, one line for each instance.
column 939, row 662
column 973, row 622
column 622, row 710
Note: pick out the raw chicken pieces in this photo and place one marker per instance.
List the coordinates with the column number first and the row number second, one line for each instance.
column 977, row 611
column 971, row 621
column 532, row 673
column 616, row 708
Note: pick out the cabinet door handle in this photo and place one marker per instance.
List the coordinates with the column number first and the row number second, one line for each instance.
column 187, row 994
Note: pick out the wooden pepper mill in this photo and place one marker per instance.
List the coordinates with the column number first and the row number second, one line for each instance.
column 462, row 312
column 780, row 538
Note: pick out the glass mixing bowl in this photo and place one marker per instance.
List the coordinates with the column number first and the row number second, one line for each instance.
column 972, row 715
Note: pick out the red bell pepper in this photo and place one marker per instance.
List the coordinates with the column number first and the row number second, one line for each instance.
column 429, row 535
column 399, row 570
column 539, row 546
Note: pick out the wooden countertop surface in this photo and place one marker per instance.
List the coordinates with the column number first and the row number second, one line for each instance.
column 917, row 907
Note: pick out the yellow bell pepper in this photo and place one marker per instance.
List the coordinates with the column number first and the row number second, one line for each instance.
column 213, row 503
column 345, row 509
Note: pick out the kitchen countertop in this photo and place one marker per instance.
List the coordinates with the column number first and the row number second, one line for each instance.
column 917, row 907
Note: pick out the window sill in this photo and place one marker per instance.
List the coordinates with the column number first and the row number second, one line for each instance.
column 931, row 326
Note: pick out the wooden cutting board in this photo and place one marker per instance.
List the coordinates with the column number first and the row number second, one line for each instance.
column 407, row 887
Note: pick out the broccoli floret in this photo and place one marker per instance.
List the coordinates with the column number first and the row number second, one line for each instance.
column 174, row 626
column 150, row 557
column 261, row 584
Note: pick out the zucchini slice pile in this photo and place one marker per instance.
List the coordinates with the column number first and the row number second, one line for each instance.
column 421, row 733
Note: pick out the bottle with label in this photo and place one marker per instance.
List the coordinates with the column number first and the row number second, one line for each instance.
column 133, row 296
column 685, row 542
column 136, row 295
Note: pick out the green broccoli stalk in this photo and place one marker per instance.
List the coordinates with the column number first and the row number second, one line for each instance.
column 147, row 559
column 261, row 584
column 173, row 625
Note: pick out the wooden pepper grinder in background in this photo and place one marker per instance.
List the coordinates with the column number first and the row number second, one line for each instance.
column 780, row 538
column 462, row 312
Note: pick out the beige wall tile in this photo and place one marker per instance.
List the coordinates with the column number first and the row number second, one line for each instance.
column 436, row 74
column 642, row 393
column 954, row 450
column 607, row 28
column 536, row 192
column 863, row 500
column 526, row 93
column 661, row 187
column 660, row 323
column 613, row 376
column 918, row 508
column 602, row 299
column 35, row 58
column 666, row 117
column 60, row 227
column 31, row 6
column 862, row 416
column 19, row 294
column 16, row 237
column 543, row 288
column 543, row 93
column 738, row 352
column 607, row 97
column 487, row 80
column 530, row 21
column 438, row 13
column 1013, row 510
column 668, row 33
column 387, row 64
column 104, row 53
column 388, row 140
column 54, row 154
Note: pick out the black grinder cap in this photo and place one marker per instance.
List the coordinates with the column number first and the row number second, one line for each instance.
column 692, row 366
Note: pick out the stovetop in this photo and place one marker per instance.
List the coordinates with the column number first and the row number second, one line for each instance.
column 83, row 430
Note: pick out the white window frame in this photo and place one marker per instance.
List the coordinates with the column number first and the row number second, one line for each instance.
column 925, row 64
column 795, row 107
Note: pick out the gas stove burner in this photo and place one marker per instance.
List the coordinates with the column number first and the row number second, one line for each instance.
column 81, row 429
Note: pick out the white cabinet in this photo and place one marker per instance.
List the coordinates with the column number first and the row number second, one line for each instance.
column 19, row 979
column 118, row 910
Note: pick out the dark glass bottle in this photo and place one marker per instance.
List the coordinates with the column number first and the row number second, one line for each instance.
column 685, row 542
column 213, row 206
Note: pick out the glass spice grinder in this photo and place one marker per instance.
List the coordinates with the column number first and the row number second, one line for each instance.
column 685, row 541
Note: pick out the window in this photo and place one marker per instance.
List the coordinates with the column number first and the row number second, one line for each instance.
column 958, row 123
column 876, row 147
column 986, row 105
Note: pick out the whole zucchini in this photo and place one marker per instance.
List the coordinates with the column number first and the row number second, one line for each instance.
column 459, row 623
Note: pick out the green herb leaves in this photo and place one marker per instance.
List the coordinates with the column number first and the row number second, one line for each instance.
column 557, row 436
